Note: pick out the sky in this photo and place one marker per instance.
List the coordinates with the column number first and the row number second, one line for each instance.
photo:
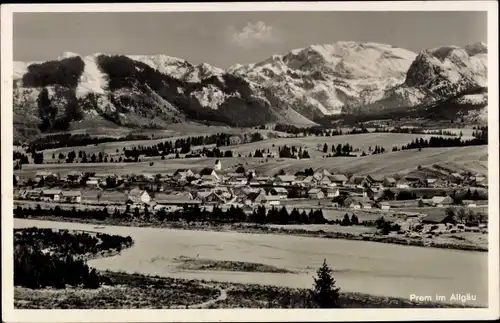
column 226, row 38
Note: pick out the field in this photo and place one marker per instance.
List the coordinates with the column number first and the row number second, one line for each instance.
column 132, row 291
column 310, row 143
column 175, row 132
column 387, row 270
column 474, row 159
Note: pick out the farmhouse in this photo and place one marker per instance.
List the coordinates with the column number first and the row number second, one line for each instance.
column 138, row 196
column 255, row 198
column 315, row 193
column 384, row 205
column 441, row 201
column 177, row 198
column 375, row 180
column 435, row 182
column 338, row 179
column 53, row 195
column 272, row 200
column 223, row 191
column 326, row 181
column 438, row 218
column 209, row 171
column 403, row 183
column 32, row 194
column 355, row 202
column 279, row 192
column 319, row 175
column 237, row 181
column 284, row 180
column 74, row 176
column 71, row 196
column 211, row 198
column 356, row 182
column 92, row 181
column 367, row 204
column 309, row 181
column 42, row 175
column 389, row 182
column 208, row 180
column 332, row 192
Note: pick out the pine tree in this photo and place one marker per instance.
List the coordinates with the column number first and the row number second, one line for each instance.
column 325, row 292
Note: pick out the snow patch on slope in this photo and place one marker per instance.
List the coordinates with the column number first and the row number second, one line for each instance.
column 92, row 79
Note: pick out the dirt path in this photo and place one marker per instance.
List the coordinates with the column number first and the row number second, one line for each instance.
column 221, row 297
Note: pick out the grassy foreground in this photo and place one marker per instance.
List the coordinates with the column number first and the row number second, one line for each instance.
column 134, row 291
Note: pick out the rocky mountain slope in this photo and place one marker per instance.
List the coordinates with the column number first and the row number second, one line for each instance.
column 296, row 87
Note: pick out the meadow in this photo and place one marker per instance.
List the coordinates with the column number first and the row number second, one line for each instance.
column 474, row 159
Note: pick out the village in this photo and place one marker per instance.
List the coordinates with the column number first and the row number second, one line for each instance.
column 246, row 189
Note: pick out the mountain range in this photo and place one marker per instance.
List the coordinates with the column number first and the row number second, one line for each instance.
column 300, row 87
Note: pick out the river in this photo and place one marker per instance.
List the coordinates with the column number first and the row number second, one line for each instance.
column 359, row 266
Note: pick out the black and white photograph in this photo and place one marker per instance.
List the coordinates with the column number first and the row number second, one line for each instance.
column 249, row 156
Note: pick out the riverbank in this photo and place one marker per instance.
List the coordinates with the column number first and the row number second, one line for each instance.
column 134, row 291
column 256, row 228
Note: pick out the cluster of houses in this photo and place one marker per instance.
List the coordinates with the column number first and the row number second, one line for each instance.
column 213, row 186
column 214, row 176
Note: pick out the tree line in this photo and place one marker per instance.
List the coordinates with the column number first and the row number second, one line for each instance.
column 48, row 258
column 435, row 142
column 234, row 214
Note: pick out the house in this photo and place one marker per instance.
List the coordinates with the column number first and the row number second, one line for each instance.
column 284, row 180
column 183, row 174
column 224, row 192
column 138, row 196
column 211, row 172
column 315, row 193
column 469, row 203
column 237, row 181
column 218, row 165
column 435, row 182
column 326, row 181
column 255, row 198
column 235, row 140
column 357, row 182
column 53, row 195
column 71, row 196
column 332, row 192
column 42, row 175
column 389, row 182
column 438, row 218
column 403, row 183
column 92, row 181
column 355, row 202
column 339, row 179
column 208, row 180
column 384, row 205
column 261, row 180
column 272, row 200
column 319, row 175
column 74, row 176
column 375, row 180
column 309, row 181
column 367, row 204
column 213, row 198
column 175, row 198
column 369, row 192
column 279, row 192
column 32, row 194
column 441, row 201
